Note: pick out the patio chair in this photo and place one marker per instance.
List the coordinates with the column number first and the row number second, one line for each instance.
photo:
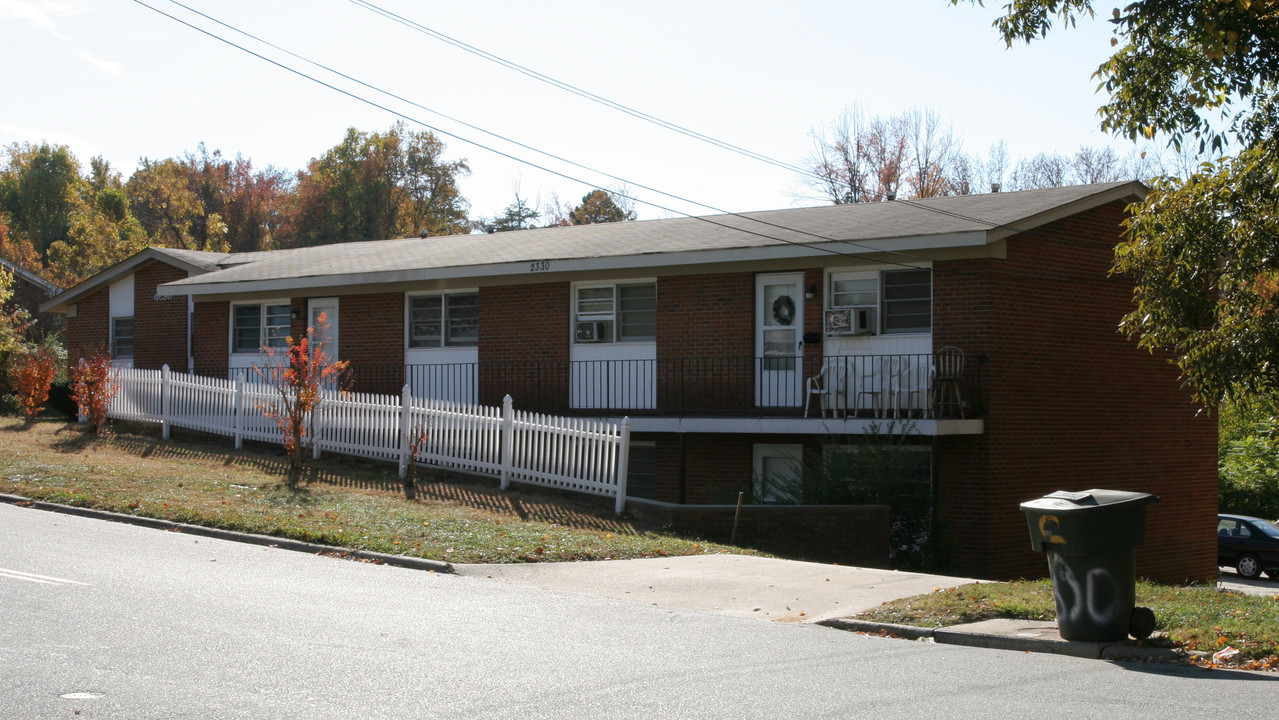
column 949, row 364
column 907, row 387
column 870, row 383
column 830, row 385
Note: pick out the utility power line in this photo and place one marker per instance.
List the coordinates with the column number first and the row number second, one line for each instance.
column 580, row 92
column 566, row 176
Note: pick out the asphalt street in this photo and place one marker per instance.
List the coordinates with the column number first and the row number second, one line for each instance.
column 118, row 621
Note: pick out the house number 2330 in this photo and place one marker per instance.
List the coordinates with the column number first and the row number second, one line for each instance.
column 539, row 266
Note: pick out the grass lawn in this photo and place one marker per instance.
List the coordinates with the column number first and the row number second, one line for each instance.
column 1193, row 618
column 351, row 503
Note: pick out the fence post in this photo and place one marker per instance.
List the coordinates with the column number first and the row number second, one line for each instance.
column 314, row 418
column 237, row 411
column 80, row 416
column 165, row 390
column 508, row 439
column 406, row 417
column 623, row 458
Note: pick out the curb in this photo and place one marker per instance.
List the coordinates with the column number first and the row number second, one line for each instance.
column 1122, row 650
column 403, row 561
column 905, row 632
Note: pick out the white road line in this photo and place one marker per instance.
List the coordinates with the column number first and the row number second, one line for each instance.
column 43, row 579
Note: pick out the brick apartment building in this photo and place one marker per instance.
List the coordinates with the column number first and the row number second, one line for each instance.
column 29, row 292
column 739, row 344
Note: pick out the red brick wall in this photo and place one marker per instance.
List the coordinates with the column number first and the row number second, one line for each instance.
column 706, row 340
column 716, row 467
column 1073, row 405
column 706, row 316
column 212, row 339
column 371, row 328
column 89, row 332
column 524, row 344
column 28, row 296
column 159, row 328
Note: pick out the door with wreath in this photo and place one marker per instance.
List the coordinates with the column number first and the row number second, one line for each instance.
column 779, row 335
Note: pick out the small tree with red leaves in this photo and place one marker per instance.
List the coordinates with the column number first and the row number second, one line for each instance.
column 94, row 386
column 32, row 374
column 298, row 379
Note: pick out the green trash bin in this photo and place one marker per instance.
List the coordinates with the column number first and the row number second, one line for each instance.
column 1091, row 540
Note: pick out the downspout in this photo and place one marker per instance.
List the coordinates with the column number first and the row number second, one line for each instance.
column 932, row 489
column 683, row 478
column 190, row 334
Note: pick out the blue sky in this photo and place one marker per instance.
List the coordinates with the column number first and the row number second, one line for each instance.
column 114, row 78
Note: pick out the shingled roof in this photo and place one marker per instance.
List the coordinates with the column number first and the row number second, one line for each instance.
column 855, row 229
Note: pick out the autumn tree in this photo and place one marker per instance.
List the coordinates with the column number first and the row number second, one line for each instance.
column 255, row 205
column 914, row 153
column 517, row 216
column 40, row 188
column 935, row 163
column 93, row 387
column 20, row 252
column 374, row 186
column 602, row 206
column 31, row 373
column 178, row 202
column 1201, row 249
column 299, row 379
column 103, row 232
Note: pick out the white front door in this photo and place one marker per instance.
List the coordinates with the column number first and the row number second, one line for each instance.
column 328, row 306
column 779, row 340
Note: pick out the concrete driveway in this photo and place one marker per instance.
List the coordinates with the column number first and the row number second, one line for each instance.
column 765, row 588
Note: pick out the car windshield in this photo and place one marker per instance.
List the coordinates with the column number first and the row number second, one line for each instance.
column 1268, row 529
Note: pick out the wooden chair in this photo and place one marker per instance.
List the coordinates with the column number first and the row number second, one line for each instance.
column 949, row 368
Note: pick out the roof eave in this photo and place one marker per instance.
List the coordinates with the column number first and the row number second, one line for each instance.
column 856, row 250
column 1133, row 191
column 59, row 303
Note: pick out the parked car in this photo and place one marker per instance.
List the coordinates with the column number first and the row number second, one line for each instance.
column 1249, row 544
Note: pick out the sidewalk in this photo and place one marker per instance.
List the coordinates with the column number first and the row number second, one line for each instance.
column 793, row 591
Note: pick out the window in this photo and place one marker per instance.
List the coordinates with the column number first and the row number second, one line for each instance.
column 621, row 313
column 852, row 291
column 904, row 298
column 641, row 470
column 444, row 320
column 122, row 337
column 254, row 327
column 908, row 301
column 778, row 473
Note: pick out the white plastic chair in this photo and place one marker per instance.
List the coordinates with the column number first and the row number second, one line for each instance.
column 870, row 383
column 831, row 385
column 906, row 382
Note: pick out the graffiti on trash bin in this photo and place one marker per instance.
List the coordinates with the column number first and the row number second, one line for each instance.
column 1048, row 527
column 1093, row 598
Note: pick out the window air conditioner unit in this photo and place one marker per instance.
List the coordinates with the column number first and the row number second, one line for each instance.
column 850, row 321
column 593, row 331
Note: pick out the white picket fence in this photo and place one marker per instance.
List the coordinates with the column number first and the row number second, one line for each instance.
column 576, row 454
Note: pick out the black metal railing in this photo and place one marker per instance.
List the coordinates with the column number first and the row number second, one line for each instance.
column 914, row 385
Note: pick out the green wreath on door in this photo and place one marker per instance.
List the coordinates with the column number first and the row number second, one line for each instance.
column 784, row 310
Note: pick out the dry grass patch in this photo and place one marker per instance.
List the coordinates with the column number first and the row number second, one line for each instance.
column 1194, row 618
